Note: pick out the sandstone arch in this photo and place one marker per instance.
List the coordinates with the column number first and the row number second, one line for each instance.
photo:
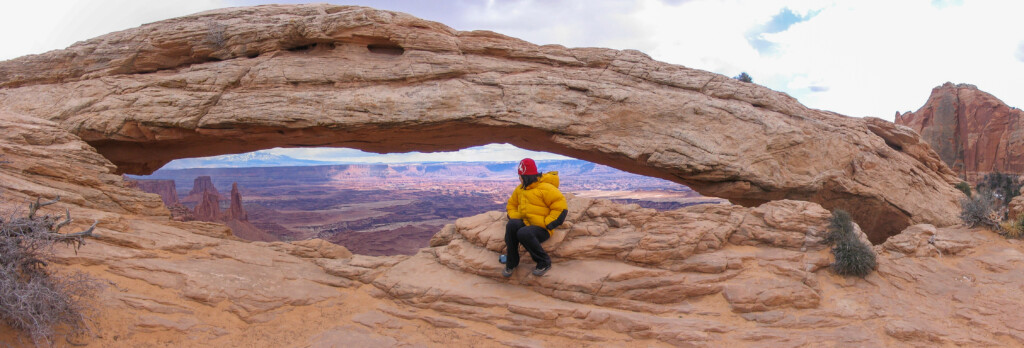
column 237, row 80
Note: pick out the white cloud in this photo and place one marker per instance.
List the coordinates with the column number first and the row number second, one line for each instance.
column 859, row 58
column 489, row 153
column 882, row 57
column 572, row 23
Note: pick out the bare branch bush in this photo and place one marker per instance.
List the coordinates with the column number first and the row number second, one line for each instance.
column 979, row 210
column 35, row 300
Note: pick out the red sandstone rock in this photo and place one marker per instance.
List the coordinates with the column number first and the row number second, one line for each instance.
column 248, row 231
column 312, row 248
column 972, row 131
column 200, row 185
column 165, row 188
column 180, row 212
column 1016, row 207
column 236, row 211
column 208, row 208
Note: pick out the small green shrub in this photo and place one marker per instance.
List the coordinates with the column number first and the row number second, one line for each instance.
column 978, row 210
column 744, row 77
column 840, row 226
column 853, row 256
column 1002, row 186
column 964, row 187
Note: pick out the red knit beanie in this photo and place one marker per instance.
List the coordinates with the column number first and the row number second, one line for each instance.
column 527, row 167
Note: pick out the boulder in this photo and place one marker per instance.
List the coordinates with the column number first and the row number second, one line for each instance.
column 1016, row 208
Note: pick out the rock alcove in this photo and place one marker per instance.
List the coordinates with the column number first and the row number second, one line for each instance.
column 322, row 75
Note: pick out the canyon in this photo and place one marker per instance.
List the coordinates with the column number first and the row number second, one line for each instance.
column 753, row 271
column 973, row 132
column 381, row 209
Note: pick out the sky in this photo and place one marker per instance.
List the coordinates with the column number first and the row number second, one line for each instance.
column 489, row 153
column 855, row 57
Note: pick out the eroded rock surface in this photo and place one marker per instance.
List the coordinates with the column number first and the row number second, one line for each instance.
column 243, row 79
column 702, row 276
column 973, row 132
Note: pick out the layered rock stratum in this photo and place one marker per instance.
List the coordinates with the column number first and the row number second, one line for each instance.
column 973, row 132
column 705, row 275
column 242, row 79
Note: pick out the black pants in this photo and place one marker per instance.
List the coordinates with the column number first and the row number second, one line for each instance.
column 516, row 232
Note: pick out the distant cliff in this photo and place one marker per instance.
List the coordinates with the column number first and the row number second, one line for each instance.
column 238, row 219
column 200, row 185
column 207, row 206
column 165, row 188
column 974, row 132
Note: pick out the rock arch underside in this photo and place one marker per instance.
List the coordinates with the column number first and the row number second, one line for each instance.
column 748, row 273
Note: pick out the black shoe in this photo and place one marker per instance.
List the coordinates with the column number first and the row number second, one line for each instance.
column 539, row 271
column 507, row 272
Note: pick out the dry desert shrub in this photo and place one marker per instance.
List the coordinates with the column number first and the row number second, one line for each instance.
column 978, row 209
column 853, row 257
column 33, row 299
column 1013, row 228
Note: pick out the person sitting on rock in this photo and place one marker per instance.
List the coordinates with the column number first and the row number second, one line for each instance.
column 535, row 208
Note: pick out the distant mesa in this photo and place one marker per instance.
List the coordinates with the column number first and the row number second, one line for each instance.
column 165, row 188
column 244, row 160
column 408, row 204
column 973, row 132
column 201, row 185
column 207, row 206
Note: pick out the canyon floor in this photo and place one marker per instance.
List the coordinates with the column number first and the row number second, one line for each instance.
column 380, row 209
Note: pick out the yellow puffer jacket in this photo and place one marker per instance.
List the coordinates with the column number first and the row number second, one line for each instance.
column 539, row 204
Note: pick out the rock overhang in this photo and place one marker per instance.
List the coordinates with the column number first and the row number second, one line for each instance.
column 237, row 80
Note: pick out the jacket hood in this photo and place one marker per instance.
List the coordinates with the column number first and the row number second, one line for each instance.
column 550, row 177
